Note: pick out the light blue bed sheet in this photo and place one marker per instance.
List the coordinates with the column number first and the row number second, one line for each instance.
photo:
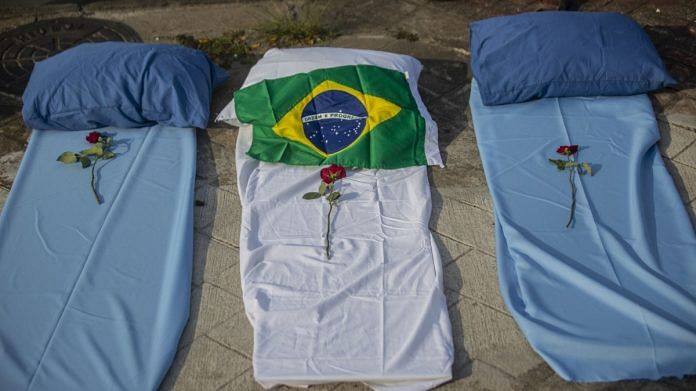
column 613, row 297
column 95, row 297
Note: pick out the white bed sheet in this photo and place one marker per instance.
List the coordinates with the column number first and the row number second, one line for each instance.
column 375, row 312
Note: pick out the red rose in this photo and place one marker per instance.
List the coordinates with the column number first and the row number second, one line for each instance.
column 93, row 137
column 332, row 173
column 567, row 149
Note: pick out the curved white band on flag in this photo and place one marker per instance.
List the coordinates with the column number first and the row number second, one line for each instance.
column 321, row 116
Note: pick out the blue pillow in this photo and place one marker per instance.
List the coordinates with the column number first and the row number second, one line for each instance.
column 555, row 54
column 121, row 84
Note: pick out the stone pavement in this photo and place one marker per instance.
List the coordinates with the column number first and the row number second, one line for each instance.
column 491, row 353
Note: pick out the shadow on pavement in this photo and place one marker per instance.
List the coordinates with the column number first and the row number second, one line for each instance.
column 677, row 47
column 444, row 87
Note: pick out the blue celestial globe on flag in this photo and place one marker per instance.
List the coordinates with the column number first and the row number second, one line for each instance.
column 333, row 120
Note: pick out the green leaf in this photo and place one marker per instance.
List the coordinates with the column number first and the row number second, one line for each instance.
column 108, row 155
column 560, row 164
column 85, row 162
column 333, row 196
column 67, row 157
column 96, row 150
column 588, row 168
column 312, row 195
column 322, row 188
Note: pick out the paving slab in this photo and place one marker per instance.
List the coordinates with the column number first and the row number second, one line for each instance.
column 9, row 164
column 664, row 13
column 462, row 178
column 368, row 16
column 245, row 382
column 236, row 333
column 622, row 6
column 688, row 155
column 211, row 258
column 687, row 383
column 163, row 24
column 474, row 276
column 554, row 382
column 674, row 139
column 681, row 113
column 215, row 158
column 13, row 140
column 230, row 279
column 677, row 48
column 218, row 213
column 210, row 306
column 449, row 249
column 478, row 375
column 464, row 223
column 664, row 99
column 12, row 17
column 492, row 336
column 684, row 178
column 205, row 365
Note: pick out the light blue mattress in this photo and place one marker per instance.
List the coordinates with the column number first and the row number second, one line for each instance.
column 613, row 297
column 96, row 297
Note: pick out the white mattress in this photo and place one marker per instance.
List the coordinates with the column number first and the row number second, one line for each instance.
column 375, row 312
column 95, row 297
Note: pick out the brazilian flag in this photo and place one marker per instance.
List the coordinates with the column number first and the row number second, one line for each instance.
column 359, row 116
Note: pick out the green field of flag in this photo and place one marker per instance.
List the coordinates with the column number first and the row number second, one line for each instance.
column 357, row 116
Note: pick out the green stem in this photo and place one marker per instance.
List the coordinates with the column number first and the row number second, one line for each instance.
column 94, row 188
column 571, row 178
column 328, row 230
column 329, row 189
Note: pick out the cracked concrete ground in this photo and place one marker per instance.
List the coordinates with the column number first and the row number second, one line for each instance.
column 491, row 353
